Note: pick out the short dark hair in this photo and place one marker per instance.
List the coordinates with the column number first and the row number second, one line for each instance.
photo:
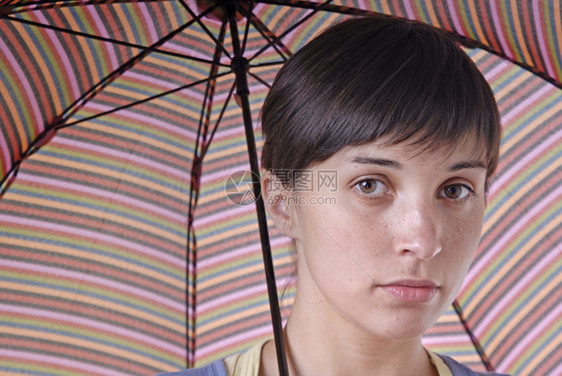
column 366, row 78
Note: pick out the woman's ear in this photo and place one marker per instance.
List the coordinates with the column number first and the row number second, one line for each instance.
column 277, row 198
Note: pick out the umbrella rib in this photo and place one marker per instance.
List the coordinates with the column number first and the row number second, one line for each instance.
column 223, row 110
column 88, row 95
column 50, row 4
column 270, row 64
column 247, row 28
column 201, row 142
column 198, row 20
column 479, row 349
column 113, row 41
column 142, row 100
column 263, row 82
column 252, row 19
column 269, row 36
column 311, row 5
column 293, row 27
column 465, row 41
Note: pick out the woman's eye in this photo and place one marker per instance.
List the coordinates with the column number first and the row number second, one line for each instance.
column 456, row 191
column 371, row 186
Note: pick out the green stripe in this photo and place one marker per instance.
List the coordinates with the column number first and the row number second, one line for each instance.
column 68, row 242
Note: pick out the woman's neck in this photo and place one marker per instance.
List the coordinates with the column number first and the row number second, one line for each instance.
column 317, row 345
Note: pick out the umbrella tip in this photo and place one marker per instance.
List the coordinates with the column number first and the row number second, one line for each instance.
column 218, row 13
column 5, row 10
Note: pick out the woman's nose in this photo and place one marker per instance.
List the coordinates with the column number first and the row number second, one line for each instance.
column 418, row 231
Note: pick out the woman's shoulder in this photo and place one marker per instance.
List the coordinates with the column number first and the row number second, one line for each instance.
column 216, row 368
column 459, row 369
column 246, row 363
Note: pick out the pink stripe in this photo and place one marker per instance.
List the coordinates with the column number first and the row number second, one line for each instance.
column 499, row 31
column 541, row 37
column 180, row 48
column 530, row 337
column 516, row 290
column 453, row 12
column 527, row 103
column 205, row 307
column 106, row 195
column 29, row 92
column 85, row 277
column 57, row 361
column 99, row 325
column 148, row 23
column 512, row 232
column 147, row 120
column 103, row 32
column 235, row 211
column 237, row 339
column 500, row 67
column 94, row 236
column 152, row 81
column 136, row 159
column 524, row 162
column 409, row 11
column 222, row 174
column 70, row 78
column 217, row 258
column 6, row 157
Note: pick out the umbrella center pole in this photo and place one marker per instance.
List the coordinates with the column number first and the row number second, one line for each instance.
column 240, row 66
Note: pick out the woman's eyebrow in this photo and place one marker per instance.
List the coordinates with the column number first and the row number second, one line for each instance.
column 467, row 164
column 377, row 161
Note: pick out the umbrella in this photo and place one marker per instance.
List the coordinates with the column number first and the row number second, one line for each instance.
column 127, row 245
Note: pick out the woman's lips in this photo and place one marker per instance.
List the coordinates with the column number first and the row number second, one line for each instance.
column 411, row 291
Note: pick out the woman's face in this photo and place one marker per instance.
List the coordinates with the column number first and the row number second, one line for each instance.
column 384, row 248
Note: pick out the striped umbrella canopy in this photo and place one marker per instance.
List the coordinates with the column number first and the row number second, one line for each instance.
column 127, row 246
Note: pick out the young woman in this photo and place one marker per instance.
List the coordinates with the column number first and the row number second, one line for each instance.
column 408, row 130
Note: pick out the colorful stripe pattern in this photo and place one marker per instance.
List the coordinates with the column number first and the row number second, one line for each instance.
column 94, row 229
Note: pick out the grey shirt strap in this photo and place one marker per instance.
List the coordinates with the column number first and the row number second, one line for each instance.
column 458, row 369
column 218, row 369
column 214, row 369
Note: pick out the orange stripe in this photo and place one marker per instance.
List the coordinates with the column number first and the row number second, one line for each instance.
column 56, row 161
column 519, row 32
column 109, row 130
column 542, row 119
column 493, row 280
column 9, row 125
column 432, row 14
column 90, row 64
column 126, row 26
column 550, row 353
column 385, row 7
column 52, row 248
column 443, row 15
column 557, row 30
column 530, row 32
column 73, row 296
column 488, row 25
column 476, row 18
column 517, row 320
column 511, row 202
column 114, row 350
column 99, row 214
column 75, row 221
column 100, row 314
column 513, row 87
column 170, row 10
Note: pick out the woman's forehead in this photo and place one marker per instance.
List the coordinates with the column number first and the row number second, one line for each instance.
column 464, row 148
